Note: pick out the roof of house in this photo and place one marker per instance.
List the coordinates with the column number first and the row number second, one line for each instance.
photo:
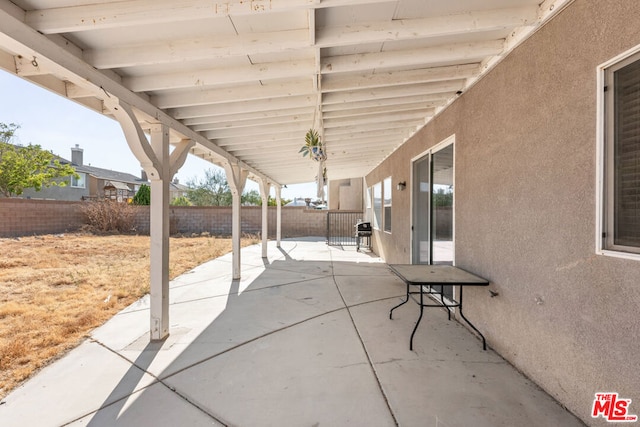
column 106, row 174
column 110, row 175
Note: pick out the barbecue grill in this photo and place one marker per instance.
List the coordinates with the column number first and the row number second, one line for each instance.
column 363, row 230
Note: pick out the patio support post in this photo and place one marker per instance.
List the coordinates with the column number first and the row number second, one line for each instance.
column 159, row 224
column 278, row 215
column 264, row 194
column 160, row 167
column 237, row 178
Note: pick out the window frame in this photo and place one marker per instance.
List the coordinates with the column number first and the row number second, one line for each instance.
column 605, row 163
column 369, row 204
column 386, row 204
column 83, row 179
column 377, row 207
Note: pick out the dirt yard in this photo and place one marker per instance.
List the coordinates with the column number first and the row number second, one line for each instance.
column 55, row 289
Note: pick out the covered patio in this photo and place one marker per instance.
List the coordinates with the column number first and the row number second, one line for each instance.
column 304, row 339
column 502, row 107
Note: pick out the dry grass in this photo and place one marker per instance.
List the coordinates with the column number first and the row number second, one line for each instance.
column 55, row 289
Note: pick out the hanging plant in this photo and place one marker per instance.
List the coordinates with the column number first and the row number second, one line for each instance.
column 313, row 146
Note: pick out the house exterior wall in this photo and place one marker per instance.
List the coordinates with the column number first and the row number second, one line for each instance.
column 345, row 194
column 525, row 210
column 55, row 192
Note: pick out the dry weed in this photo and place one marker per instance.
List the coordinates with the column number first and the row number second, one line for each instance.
column 55, row 289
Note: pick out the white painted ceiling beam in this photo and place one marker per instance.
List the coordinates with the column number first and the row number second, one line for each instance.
column 460, row 52
column 275, row 159
column 354, row 157
column 184, row 51
column 141, row 12
column 377, row 118
column 347, row 133
column 307, row 119
column 220, row 76
column 439, row 26
column 340, row 137
column 341, row 105
column 361, row 145
column 248, row 116
column 260, row 140
column 119, row 14
column 275, row 149
column 391, row 109
column 8, row 62
column 82, row 74
column 244, row 107
column 251, row 132
column 339, row 82
column 232, row 94
column 394, row 92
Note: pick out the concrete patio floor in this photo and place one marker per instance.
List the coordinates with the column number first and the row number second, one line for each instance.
column 304, row 339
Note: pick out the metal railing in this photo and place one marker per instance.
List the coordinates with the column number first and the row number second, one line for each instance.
column 341, row 227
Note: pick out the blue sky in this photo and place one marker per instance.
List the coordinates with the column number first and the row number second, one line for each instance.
column 57, row 124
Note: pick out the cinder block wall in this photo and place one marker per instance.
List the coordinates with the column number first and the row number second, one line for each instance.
column 20, row 217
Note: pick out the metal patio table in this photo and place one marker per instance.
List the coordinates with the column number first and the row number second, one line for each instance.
column 434, row 277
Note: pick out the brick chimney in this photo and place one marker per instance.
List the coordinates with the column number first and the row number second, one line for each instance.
column 76, row 155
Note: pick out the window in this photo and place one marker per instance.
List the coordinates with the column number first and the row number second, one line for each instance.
column 620, row 157
column 386, row 192
column 78, row 182
column 368, row 198
column 377, row 206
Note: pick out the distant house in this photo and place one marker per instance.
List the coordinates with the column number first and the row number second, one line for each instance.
column 92, row 183
column 177, row 190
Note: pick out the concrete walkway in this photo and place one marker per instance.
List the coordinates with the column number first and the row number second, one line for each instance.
column 304, row 339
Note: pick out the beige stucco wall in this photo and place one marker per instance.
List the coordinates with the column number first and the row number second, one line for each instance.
column 525, row 213
column 346, row 194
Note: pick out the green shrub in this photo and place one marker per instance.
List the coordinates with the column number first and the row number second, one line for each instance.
column 143, row 196
column 181, row 201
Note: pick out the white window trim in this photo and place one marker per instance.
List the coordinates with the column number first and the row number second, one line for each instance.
column 601, row 227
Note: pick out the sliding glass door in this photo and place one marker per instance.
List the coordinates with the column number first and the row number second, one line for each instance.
column 432, row 216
